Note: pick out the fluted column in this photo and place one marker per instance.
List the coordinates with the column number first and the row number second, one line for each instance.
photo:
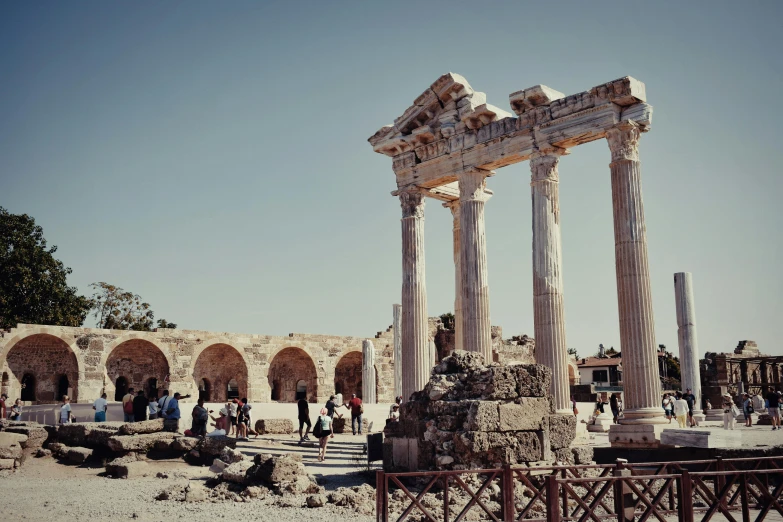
column 476, row 329
column 641, row 381
column 415, row 352
column 454, row 207
column 686, row 336
column 368, row 372
column 397, row 329
column 548, row 312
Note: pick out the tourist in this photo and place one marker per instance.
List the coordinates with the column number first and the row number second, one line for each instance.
column 304, row 418
column 222, row 422
column 668, row 405
column 573, row 406
column 200, row 417
column 681, row 410
column 615, row 406
column 357, row 409
column 728, row 414
column 324, row 424
column 140, row 405
column 773, row 409
column 101, row 406
column 397, row 402
column 244, row 419
column 3, row 412
column 395, row 414
column 127, row 406
column 707, row 404
column 16, row 411
column 747, row 409
column 163, row 404
column 599, row 405
column 232, row 416
column 171, row 414
column 153, row 408
column 690, row 398
column 66, row 416
column 331, row 406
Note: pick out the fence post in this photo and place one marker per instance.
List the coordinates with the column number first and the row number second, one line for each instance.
column 744, row 498
column 685, row 502
column 721, row 480
column 445, row 497
column 380, row 490
column 624, row 504
column 552, row 497
column 508, row 494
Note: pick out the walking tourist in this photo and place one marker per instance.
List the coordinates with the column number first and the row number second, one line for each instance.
column 728, row 414
column 153, row 408
column 127, row 406
column 599, row 405
column 331, row 406
column 3, row 412
column 101, row 405
column 324, row 427
column 66, row 416
column 171, row 414
column 615, row 406
column 357, row 409
column 243, row 420
column 304, row 418
column 681, row 410
column 668, row 406
column 773, row 409
column 140, row 406
column 690, row 398
column 232, row 416
column 747, row 409
column 200, row 417
column 16, row 410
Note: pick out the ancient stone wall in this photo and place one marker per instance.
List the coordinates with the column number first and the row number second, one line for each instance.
column 46, row 366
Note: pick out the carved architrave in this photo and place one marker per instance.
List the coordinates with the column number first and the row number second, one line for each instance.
column 412, row 202
column 623, row 141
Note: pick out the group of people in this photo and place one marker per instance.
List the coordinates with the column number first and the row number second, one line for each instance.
column 679, row 406
column 615, row 406
column 233, row 419
column 772, row 403
column 12, row 413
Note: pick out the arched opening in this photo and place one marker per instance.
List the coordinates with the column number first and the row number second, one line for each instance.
column 204, row 390
column 120, row 388
column 139, row 363
column 348, row 375
column 37, row 363
column 571, row 376
column 232, row 390
column 152, row 388
column 62, row 387
column 218, row 365
column 28, row 388
column 287, row 369
column 301, row 389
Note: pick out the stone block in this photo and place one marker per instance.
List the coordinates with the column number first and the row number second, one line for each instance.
column 525, row 414
column 274, row 426
column 214, row 446
column 564, row 456
column 142, row 443
column 184, row 444
column 702, row 438
column 137, row 428
column 636, row 435
column 236, row 472
column 231, row 455
column 601, row 424
column 562, row 430
column 36, row 435
column 11, row 445
column 74, row 434
column 533, row 380
column 218, row 466
column 482, row 416
column 582, row 454
column 99, row 435
column 6, row 464
column 78, row 455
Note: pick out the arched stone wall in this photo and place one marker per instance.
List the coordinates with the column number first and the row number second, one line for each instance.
column 139, row 361
column 47, row 358
column 219, row 363
column 289, row 366
column 348, row 374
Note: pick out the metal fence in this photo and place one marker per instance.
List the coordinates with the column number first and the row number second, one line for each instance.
column 687, row 491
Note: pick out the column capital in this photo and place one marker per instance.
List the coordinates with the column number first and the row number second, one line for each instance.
column 412, row 203
column 473, row 185
column 623, row 141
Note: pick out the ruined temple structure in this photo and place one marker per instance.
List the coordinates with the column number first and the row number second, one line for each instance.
column 446, row 145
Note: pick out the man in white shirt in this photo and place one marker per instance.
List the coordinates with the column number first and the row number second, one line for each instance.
column 65, row 410
column 681, row 410
column 100, row 406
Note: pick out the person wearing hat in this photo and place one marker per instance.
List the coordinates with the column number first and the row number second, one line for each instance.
column 690, row 398
column 394, row 416
column 221, row 422
column 728, row 414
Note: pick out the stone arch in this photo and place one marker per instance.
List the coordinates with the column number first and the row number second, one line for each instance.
column 348, row 374
column 219, row 363
column 573, row 374
column 204, row 389
column 42, row 358
column 288, row 367
column 137, row 360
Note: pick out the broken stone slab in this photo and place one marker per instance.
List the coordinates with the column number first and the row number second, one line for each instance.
column 11, row 445
column 36, row 435
column 58, row 449
column 236, row 472
column 562, row 430
column 582, row 454
column 77, row 433
column 218, row 466
column 78, row 455
column 143, row 442
column 6, row 464
column 137, row 428
column 184, row 443
column 127, row 467
column 215, row 445
column 702, row 438
column 231, row 455
column 99, row 435
column 315, row 501
column 276, row 471
column 274, row 426
column 525, row 414
column 40, row 453
column 506, row 448
column 482, row 416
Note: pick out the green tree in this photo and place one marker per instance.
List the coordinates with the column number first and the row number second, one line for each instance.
column 117, row 309
column 33, row 287
column 572, row 351
column 448, row 321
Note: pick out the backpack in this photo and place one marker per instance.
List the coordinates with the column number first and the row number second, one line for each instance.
column 318, row 430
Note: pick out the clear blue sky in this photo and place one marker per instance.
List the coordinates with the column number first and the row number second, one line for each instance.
column 212, row 156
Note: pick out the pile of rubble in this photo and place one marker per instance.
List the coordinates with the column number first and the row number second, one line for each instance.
column 471, row 415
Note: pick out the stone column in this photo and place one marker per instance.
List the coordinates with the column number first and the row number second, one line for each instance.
column 397, row 329
column 641, row 380
column 415, row 352
column 476, row 329
column 687, row 339
column 454, row 207
column 368, row 372
column 548, row 313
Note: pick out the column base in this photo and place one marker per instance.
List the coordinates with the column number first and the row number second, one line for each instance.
column 644, row 416
column 564, row 411
column 637, row 435
column 602, row 424
column 699, row 417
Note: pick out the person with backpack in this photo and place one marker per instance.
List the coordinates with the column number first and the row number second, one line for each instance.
column 127, row 406
column 200, row 417
column 323, row 430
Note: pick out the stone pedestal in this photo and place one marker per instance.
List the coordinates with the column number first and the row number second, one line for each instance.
column 548, row 312
column 602, row 423
column 636, row 435
column 687, row 339
column 642, row 386
column 702, row 438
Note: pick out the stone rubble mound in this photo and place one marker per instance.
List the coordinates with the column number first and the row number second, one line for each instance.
column 274, row 426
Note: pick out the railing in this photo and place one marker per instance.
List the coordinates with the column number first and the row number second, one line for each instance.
column 687, row 491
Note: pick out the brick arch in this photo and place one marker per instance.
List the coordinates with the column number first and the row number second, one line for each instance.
column 289, row 366
column 49, row 358
column 141, row 362
column 348, row 374
column 218, row 363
